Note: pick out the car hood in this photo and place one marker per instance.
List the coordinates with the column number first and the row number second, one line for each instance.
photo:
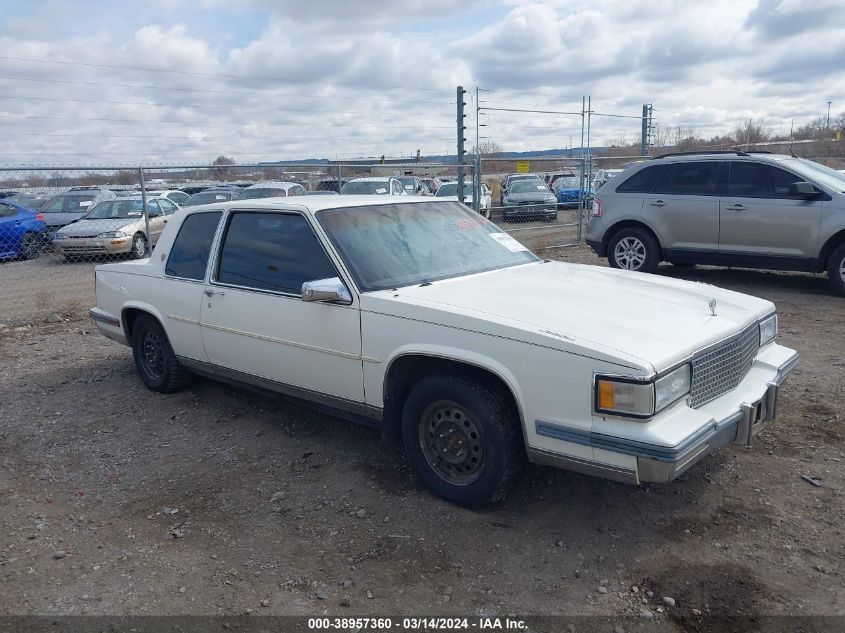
column 539, row 196
column 60, row 219
column 657, row 320
column 93, row 227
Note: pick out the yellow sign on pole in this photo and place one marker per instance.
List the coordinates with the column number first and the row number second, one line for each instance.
column 522, row 166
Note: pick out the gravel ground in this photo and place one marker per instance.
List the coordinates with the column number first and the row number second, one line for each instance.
column 118, row 500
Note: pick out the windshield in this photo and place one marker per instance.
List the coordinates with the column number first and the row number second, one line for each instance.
column 528, row 186
column 69, row 203
column 378, row 187
column 818, row 172
column 261, row 192
column 114, row 209
column 207, row 197
column 566, row 181
column 408, row 183
column 394, row 245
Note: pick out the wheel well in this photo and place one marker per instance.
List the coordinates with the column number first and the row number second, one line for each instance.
column 129, row 316
column 408, row 370
column 613, row 230
column 835, row 240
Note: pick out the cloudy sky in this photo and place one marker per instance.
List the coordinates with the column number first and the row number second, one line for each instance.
column 182, row 81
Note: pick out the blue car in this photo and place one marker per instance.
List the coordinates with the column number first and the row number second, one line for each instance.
column 569, row 193
column 23, row 233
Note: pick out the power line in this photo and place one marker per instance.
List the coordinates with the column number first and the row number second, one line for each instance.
column 223, row 92
column 201, row 74
column 190, row 105
column 70, row 118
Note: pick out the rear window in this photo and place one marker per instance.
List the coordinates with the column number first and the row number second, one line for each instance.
column 69, row 203
column 642, row 181
column 261, row 192
column 189, row 255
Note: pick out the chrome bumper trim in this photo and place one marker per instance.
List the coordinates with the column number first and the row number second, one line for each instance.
column 102, row 317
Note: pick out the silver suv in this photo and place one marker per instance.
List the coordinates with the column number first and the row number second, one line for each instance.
column 748, row 209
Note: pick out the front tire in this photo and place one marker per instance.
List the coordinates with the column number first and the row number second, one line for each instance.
column 836, row 269
column 155, row 360
column 138, row 249
column 463, row 437
column 633, row 248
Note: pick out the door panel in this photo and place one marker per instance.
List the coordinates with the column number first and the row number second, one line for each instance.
column 683, row 209
column 758, row 217
column 254, row 321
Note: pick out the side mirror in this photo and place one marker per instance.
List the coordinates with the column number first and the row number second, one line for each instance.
column 331, row 289
column 802, row 189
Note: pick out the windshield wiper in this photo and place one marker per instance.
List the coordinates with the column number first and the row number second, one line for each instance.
column 425, row 283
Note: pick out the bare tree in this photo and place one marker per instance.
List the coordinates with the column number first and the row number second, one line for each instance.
column 750, row 132
column 223, row 172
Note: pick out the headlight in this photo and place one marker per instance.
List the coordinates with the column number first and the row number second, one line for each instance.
column 635, row 399
column 768, row 329
column 620, row 396
column 671, row 387
column 113, row 234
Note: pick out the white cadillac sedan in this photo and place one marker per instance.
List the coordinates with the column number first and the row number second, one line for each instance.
column 424, row 319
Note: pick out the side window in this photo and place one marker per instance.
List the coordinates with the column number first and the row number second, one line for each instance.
column 690, row 179
column 168, row 206
column 756, row 180
column 300, row 190
column 7, row 211
column 153, row 208
column 271, row 251
column 397, row 187
column 642, row 181
column 189, row 253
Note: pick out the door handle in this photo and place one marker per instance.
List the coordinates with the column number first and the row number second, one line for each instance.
column 211, row 293
column 658, row 203
column 737, row 207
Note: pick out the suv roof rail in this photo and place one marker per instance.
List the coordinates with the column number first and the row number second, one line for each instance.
column 735, row 152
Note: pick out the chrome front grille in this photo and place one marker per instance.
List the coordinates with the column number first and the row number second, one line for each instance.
column 722, row 369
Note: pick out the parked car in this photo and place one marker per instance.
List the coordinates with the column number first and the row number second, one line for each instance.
column 115, row 227
column 508, row 179
column 64, row 208
column 174, row 195
column 429, row 322
column 552, row 178
column 449, row 191
column 378, row 186
column 528, row 199
column 31, row 201
column 271, row 189
column 414, row 186
column 603, row 175
column 747, row 209
column 322, row 192
column 568, row 192
column 23, row 232
column 211, row 195
column 330, row 184
column 433, row 184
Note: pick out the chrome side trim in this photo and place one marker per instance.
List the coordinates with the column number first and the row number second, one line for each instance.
column 273, row 339
column 335, row 403
column 586, row 467
column 183, row 319
column 101, row 316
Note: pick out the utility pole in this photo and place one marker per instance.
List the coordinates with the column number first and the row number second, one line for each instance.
column 476, row 176
column 461, row 140
column 828, row 115
column 645, row 133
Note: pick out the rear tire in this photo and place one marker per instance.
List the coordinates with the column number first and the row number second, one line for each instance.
column 155, row 360
column 836, row 269
column 138, row 249
column 633, row 248
column 463, row 437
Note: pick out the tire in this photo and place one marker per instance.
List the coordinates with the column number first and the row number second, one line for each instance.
column 138, row 250
column 476, row 425
column 552, row 217
column 637, row 250
column 486, row 212
column 31, row 246
column 154, row 358
column 836, row 269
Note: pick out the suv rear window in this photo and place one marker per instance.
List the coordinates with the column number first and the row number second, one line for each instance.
column 690, row 179
column 189, row 255
column 642, row 181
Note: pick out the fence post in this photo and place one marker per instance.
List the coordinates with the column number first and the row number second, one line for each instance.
column 148, row 250
column 339, row 179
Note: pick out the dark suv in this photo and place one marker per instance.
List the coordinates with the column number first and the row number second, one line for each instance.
column 748, row 209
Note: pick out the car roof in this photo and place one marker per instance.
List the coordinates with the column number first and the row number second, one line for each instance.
column 272, row 184
column 726, row 154
column 311, row 204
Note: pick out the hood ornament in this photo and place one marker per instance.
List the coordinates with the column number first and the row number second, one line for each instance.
column 712, row 306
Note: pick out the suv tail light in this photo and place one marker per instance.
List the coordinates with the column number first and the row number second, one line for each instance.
column 597, row 207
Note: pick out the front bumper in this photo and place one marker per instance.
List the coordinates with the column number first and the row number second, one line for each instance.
column 93, row 245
